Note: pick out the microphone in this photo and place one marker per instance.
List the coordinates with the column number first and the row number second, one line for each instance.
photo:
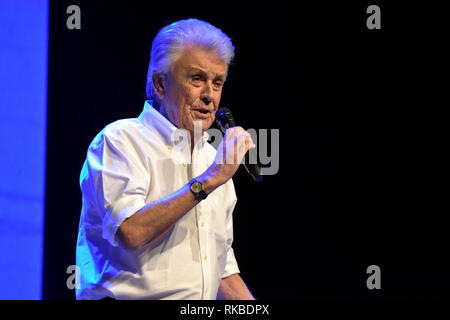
column 225, row 120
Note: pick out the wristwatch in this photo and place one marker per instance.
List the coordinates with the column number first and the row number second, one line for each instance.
column 197, row 189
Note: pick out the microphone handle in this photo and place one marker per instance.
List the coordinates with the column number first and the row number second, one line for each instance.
column 252, row 168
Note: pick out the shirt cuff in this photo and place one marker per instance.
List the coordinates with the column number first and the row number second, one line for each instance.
column 116, row 213
column 231, row 267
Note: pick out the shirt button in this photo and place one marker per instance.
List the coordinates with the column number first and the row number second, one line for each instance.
column 169, row 147
column 203, row 224
column 205, row 256
column 206, row 291
column 184, row 164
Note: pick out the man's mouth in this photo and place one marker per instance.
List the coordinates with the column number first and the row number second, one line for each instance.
column 202, row 113
column 202, row 110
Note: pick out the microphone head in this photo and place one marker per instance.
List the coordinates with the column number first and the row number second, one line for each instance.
column 225, row 119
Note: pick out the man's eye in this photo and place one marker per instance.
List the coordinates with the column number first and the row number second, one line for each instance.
column 196, row 78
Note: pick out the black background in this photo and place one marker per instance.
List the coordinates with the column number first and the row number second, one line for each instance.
column 363, row 175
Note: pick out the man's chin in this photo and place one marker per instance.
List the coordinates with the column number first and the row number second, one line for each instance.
column 203, row 124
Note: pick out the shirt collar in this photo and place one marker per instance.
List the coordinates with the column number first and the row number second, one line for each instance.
column 155, row 120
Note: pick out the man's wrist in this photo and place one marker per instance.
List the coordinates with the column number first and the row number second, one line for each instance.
column 208, row 183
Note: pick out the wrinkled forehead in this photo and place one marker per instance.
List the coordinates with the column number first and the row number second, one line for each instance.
column 194, row 58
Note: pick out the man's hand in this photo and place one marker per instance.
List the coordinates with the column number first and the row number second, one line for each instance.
column 230, row 152
column 233, row 288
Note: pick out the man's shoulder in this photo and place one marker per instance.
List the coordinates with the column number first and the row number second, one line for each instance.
column 117, row 131
column 120, row 127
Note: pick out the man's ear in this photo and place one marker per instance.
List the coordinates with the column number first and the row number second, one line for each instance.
column 158, row 80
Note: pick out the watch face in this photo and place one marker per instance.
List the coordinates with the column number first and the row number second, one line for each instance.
column 196, row 187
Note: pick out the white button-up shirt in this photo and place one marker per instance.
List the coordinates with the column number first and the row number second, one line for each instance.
column 133, row 162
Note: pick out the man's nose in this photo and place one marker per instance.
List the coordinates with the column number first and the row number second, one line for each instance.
column 207, row 94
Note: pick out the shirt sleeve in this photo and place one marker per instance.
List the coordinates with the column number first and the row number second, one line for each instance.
column 117, row 181
column 231, row 266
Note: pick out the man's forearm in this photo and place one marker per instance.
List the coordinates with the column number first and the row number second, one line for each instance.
column 156, row 218
column 234, row 288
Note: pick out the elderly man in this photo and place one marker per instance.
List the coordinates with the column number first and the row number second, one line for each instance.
column 155, row 223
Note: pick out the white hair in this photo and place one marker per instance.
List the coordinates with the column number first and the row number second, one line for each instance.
column 173, row 38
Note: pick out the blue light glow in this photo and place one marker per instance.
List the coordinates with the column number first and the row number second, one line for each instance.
column 23, row 114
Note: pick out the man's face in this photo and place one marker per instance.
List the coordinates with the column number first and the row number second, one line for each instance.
column 193, row 88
